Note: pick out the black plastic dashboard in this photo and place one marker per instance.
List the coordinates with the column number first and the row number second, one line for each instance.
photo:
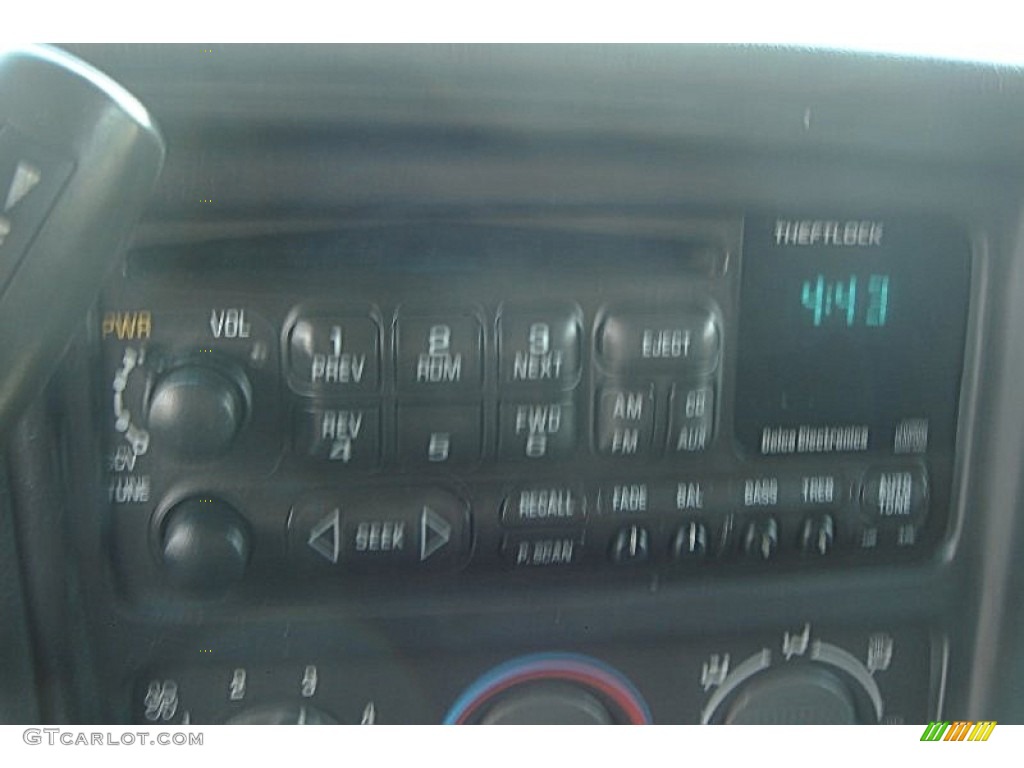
column 586, row 384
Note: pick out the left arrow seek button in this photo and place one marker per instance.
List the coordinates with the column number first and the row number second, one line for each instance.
column 325, row 537
column 382, row 529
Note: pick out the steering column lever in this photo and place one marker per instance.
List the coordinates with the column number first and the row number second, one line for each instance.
column 79, row 157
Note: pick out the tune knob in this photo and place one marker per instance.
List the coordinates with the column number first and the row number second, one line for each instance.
column 196, row 409
column 204, row 545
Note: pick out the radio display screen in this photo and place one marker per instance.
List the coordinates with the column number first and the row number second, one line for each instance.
column 851, row 335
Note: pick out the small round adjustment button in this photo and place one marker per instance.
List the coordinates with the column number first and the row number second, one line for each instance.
column 691, row 542
column 632, row 544
column 196, row 410
column 547, row 702
column 817, row 535
column 204, row 545
column 761, row 539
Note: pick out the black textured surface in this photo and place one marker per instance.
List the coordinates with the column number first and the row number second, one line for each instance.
column 17, row 681
column 290, row 139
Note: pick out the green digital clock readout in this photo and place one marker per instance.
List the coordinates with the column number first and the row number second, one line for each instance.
column 850, row 329
column 848, row 300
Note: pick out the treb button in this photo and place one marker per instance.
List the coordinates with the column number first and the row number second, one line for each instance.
column 684, row 342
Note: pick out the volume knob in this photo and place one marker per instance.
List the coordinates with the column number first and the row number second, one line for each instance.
column 196, row 410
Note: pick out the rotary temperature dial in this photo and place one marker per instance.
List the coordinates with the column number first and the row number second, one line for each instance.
column 809, row 682
column 550, row 689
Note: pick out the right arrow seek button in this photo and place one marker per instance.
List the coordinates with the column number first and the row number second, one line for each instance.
column 381, row 529
column 435, row 533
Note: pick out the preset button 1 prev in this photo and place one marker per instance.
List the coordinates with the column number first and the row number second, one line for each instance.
column 335, row 354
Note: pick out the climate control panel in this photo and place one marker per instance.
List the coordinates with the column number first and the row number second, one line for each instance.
column 801, row 675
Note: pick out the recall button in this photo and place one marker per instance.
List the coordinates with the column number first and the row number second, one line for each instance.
column 543, row 505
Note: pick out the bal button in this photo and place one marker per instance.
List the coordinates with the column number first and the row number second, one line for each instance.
column 691, row 542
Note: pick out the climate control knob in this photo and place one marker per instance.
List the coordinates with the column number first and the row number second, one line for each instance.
column 550, row 689
column 795, row 695
column 204, row 545
column 195, row 410
column 547, row 703
column 282, row 714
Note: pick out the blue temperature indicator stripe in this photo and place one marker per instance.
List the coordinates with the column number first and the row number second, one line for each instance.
column 550, row 665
